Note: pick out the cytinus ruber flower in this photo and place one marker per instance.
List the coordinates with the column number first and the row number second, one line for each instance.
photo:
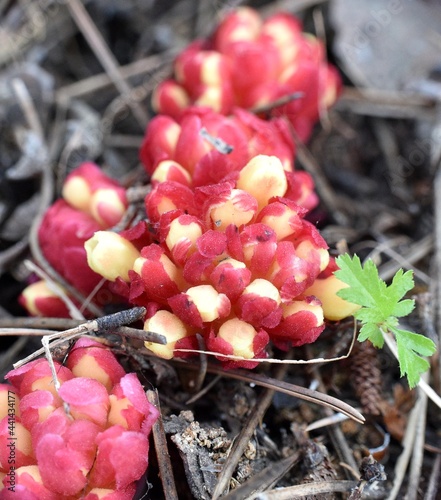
column 205, row 147
column 73, row 442
column 88, row 189
column 233, row 262
column 91, row 202
column 235, row 201
column 39, row 300
column 251, row 63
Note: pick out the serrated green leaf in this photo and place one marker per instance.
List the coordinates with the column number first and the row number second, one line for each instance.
column 382, row 305
column 370, row 315
column 371, row 332
column 415, row 342
column 411, row 364
column 403, row 308
column 402, row 283
column 363, row 282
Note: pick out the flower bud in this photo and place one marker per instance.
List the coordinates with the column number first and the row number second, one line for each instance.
column 191, row 146
column 129, row 406
column 243, row 24
column 200, row 304
column 259, row 304
column 88, row 189
column 259, row 247
column 224, row 206
column 92, row 359
column 28, row 485
column 263, row 177
column 289, row 273
column 218, row 98
column 36, row 406
column 87, row 399
column 247, row 60
column 65, row 452
column 230, row 277
column 107, row 206
column 159, row 142
column 167, row 324
column 110, row 255
column 167, row 196
column 39, row 300
column 161, row 278
column 24, row 454
column 301, row 189
column 334, row 307
column 302, row 323
column 239, row 338
column 61, row 235
column 169, row 170
column 283, row 216
column 111, row 468
column 170, row 98
column 197, row 268
column 286, row 32
column 181, row 235
column 319, row 257
column 37, row 375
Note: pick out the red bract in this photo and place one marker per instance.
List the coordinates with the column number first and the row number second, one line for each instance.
column 167, row 196
column 186, row 144
column 230, row 277
column 259, row 304
column 89, row 358
column 160, row 276
column 121, row 458
column 226, row 71
column 65, row 453
column 73, row 442
column 28, row 485
column 302, row 323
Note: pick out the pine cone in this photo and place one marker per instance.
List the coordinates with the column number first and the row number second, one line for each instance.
column 366, row 377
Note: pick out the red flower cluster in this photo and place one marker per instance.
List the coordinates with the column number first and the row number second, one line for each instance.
column 96, row 450
column 91, row 202
column 251, row 63
column 205, row 148
column 226, row 251
column 233, row 262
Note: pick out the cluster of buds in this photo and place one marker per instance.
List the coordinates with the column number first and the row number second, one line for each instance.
column 206, row 148
column 252, row 64
column 226, row 251
column 91, row 202
column 87, row 439
column 233, row 262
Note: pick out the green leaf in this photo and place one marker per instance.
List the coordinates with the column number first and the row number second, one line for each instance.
column 381, row 306
column 402, row 283
column 415, row 342
column 371, row 332
column 369, row 315
column 363, row 282
column 411, row 365
column 403, row 308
